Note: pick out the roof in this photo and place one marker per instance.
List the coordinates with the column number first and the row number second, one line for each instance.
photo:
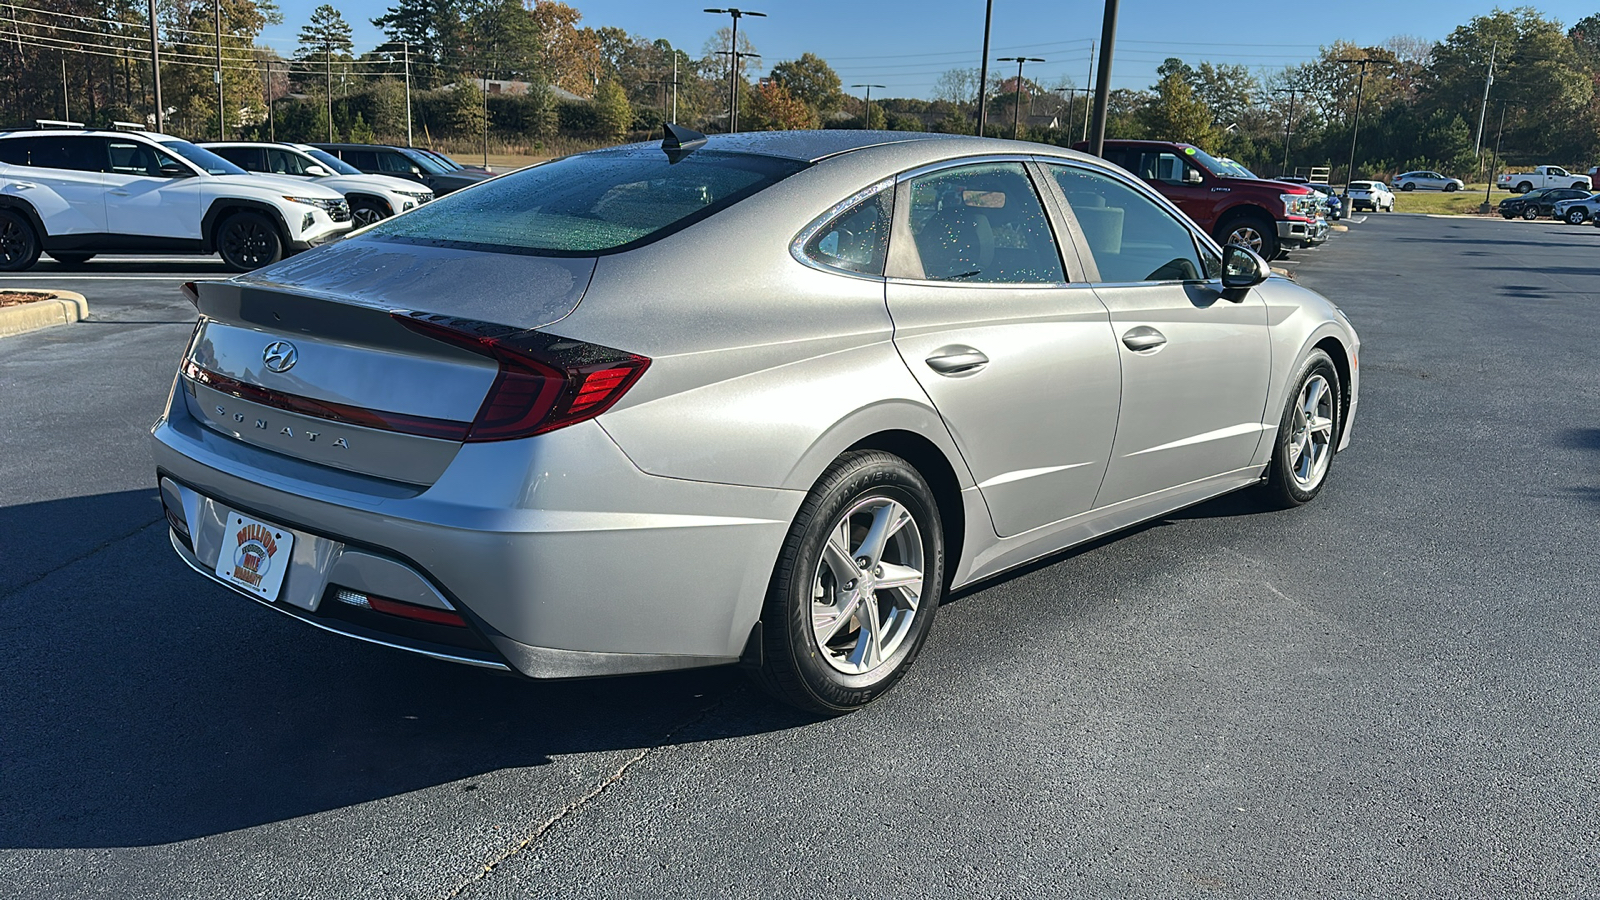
column 817, row 145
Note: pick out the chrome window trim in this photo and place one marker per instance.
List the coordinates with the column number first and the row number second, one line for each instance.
column 797, row 247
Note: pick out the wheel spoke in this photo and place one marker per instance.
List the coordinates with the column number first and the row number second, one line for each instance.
column 836, row 553
column 886, row 521
column 827, row 623
column 1321, row 425
column 897, row 576
column 1313, row 394
column 868, row 651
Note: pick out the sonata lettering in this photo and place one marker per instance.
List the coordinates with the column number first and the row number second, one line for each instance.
column 285, row 431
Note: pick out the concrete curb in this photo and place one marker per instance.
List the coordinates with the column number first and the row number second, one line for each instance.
column 64, row 308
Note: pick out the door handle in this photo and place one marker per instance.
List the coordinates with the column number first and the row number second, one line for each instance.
column 23, row 185
column 118, row 193
column 1143, row 338
column 956, row 360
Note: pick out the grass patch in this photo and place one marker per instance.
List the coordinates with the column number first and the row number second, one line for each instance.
column 1439, row 203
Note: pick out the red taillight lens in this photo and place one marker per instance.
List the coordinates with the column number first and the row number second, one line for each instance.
column 416, row 613
column 545, row 382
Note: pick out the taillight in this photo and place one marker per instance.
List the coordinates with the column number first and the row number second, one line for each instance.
column 545, row 382
column 191, row 293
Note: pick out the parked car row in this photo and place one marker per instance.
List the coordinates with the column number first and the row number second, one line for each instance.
column 1539, row 202
column 73, row 192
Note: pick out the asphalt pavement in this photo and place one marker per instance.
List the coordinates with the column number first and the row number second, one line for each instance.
column 1390, row 692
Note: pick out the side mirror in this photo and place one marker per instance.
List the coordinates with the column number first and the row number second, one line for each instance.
column 317, row 171
column 1192, row 176
column 173, row 170
column 1242, row 268
column 415, row 170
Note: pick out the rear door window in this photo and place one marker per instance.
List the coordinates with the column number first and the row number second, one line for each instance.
column 590, row 204
column 978, row 224
column 75, row 152
column 284, row 162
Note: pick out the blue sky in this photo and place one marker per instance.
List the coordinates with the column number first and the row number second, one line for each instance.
column 907, row 44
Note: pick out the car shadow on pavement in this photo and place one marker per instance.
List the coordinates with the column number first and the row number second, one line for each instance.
column 143, row 704
column 1587, row 439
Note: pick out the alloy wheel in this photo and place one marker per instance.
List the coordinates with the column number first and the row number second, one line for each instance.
column 14, row 242
column 248, row 243
column 366, row 215
column 868, row 585
column 1246, row 236
column 1311, row 440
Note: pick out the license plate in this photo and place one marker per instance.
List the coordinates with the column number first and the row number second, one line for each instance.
column 255, row 556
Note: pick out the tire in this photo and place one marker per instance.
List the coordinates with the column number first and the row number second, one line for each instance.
column 1304, row 447
column 19, row 243
column 248, row 240
column 1524, row 187
column 817, row 653
column 1576, row 215
column 1530, row 213
column 366, row 212
column 1250, row 230
column 1451, row 188
column 1408, row 186
column 69, row 259
column 1579, row 186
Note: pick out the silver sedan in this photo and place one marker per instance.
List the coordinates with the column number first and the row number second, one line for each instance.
column 762, row 398
column 1427, row 181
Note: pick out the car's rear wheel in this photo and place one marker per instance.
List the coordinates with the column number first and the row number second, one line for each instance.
column 19, row 244
column 1307, row 434
column 1531, row 213
column 248, row 240
column 1576, row 215
column 1579, row 186
column 856, row 586
column 69, row 259
column 1252, row 231
column 366, row 212
column 1524, row 187
column 1408, row 186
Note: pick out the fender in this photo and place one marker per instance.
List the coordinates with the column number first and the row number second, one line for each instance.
column 1326, row 334
column 353, row 196
column 221, row 206
column 28, row 212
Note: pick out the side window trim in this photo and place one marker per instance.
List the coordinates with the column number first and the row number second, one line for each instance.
column 797, row 247
column 903, row 255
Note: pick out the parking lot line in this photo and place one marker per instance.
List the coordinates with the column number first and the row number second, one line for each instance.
column 53, row 279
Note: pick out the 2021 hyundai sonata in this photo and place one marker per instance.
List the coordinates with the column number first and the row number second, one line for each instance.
column 758, row 397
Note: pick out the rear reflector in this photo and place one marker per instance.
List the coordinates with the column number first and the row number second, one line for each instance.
column 403, row 610
column 545, row 382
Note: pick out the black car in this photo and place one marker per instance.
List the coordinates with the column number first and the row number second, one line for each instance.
column 404, row 162
column 1538, row 202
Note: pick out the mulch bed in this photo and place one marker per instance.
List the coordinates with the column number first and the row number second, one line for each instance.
column 17, row 298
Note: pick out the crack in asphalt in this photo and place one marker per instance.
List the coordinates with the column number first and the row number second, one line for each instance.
column 577, row 805
column 7, row 595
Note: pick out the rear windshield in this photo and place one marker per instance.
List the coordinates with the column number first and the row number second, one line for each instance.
column 1360, row 185
column 588, row 204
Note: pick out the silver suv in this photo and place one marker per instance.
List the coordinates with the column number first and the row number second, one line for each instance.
column 75, row 192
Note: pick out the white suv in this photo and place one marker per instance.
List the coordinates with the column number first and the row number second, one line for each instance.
column 75, row 192
column 371, row 197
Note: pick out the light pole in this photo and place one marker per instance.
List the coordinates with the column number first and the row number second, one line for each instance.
column 1288, row 122
column 222, row 115
column 1355, row 125
column 1016, row 114
column 733, row 61
column 1102, row 88
column 155, row 66
column 866, row 117
column 1494, row 161
column 983, row 69
column 737, row 62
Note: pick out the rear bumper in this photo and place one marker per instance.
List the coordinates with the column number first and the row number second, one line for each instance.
column 565, row 559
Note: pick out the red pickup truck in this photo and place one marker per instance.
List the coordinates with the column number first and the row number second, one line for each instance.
column 1224, row 198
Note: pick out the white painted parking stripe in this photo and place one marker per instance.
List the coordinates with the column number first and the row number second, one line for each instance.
column 56, row 279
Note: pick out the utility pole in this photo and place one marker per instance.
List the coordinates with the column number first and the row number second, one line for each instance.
column 1355, row 125
column 222, row 115
column 1102, row 88
column 1016, row 114
column 733, row 61
column 155, row 65
column 486, row 119
column 1477, row 142
column 674, row 85
column 983, row 70
column 1088, row 85
column 272, row 113
column 1494, row 160
column 327, row 57
column 407, row 45
column 737, row 61
column 1288, row 122
column 66, row 108
column 866, row 117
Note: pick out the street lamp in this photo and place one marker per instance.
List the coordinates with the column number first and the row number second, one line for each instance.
column 733, row 61
column 866, row 117
column 1016, row 114
column 1288, row 122
column 1355, row 125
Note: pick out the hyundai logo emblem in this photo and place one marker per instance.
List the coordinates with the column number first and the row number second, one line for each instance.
column 280, row 356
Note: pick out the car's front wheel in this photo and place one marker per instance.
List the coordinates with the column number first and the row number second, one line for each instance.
column 1307, row 434
column 856, row 586
column 1531, row 213
column 1576, row 215
column 247, row 240
column 1253, row 231
column 19, row 244
column 1451, row 188
column 366, row 212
